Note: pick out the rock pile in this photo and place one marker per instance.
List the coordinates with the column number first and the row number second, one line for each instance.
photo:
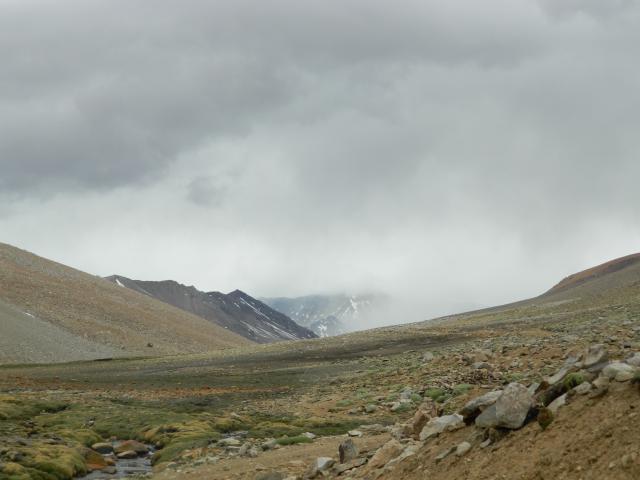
column 492, row 414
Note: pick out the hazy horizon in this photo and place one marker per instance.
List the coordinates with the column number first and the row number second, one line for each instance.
column 452, row 155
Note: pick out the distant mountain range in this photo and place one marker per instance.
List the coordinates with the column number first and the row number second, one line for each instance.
column 235, row 311
column 327, row 315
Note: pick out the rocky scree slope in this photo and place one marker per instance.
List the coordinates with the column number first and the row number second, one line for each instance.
column 90, row 316
column 580, row 422
column 235, row 311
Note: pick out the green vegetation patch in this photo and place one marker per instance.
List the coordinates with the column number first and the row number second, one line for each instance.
column 461, row 389
column 573, row 380
column 293, row 440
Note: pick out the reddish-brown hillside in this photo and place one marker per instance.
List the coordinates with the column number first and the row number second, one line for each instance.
column 593, row 273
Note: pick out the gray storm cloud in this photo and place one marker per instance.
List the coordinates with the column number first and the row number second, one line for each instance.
column 452, row 154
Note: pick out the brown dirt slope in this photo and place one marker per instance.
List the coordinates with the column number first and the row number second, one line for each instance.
column 596, row 272
column 100, row 312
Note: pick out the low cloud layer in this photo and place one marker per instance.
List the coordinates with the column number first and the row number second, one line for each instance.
column 451, row 154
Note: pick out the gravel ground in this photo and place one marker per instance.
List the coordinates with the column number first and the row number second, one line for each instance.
column 27, row 339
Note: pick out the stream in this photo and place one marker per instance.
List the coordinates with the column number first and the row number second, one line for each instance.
column 124, row 467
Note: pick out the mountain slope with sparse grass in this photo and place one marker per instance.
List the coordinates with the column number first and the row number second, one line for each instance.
column 91, row 313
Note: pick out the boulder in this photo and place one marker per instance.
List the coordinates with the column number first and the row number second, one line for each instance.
column 595, row 357
column 94, row 460
column 131, row 445
column 463, row 448
column 437, row 425
column 634, row 360
column 370, row 408
column 475, row 407
column 417, row 423
column 427, row 357
column 386, row 453
column 409, row 451
column 102, row 447
column 269, row 444
column 343, row 467
column 560, row 374
column 323, row 464
column 127, row 454
column 600, row 387
column 347, row 451
column 509, row 411
column 582, row 389
column 621, row 372
column 561, row 401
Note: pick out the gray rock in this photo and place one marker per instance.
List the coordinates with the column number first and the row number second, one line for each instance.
column 482, row 366
column 437, row 425
column 595, row 358
column 621, row 372
column 600, row 387
column 427, row 357
column 417, row 423
column 343, row 467
column 509, row 411
column 634, row 360
column 373, row 429
column 533, row 388
column 370, row 408
column 463, row 448
column 444, row 454
column 485, row 443
column 386, row 453
column 253, row 452
column 409, row 451
column 583, row 388
column 559, row 375
column 561, row 401
column 354, row 433
column 229, row 442
column 269, row 444
column 309, row 435
column 323, row 463
column 347, row 451
column 244, row 449
column 474, row 407
column 406, row 394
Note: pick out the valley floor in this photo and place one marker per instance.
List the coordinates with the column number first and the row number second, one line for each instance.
column 269, row 412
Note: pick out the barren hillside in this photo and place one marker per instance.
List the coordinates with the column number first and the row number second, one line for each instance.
column 91, row 310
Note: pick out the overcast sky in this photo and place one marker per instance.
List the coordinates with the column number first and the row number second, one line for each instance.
column 449, row 153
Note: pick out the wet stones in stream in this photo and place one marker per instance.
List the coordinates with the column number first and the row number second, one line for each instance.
column 123, row 459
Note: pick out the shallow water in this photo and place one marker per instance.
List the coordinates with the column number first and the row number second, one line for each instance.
column 124, row 468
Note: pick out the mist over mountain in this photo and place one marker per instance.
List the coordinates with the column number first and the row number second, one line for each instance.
column 329, row 315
